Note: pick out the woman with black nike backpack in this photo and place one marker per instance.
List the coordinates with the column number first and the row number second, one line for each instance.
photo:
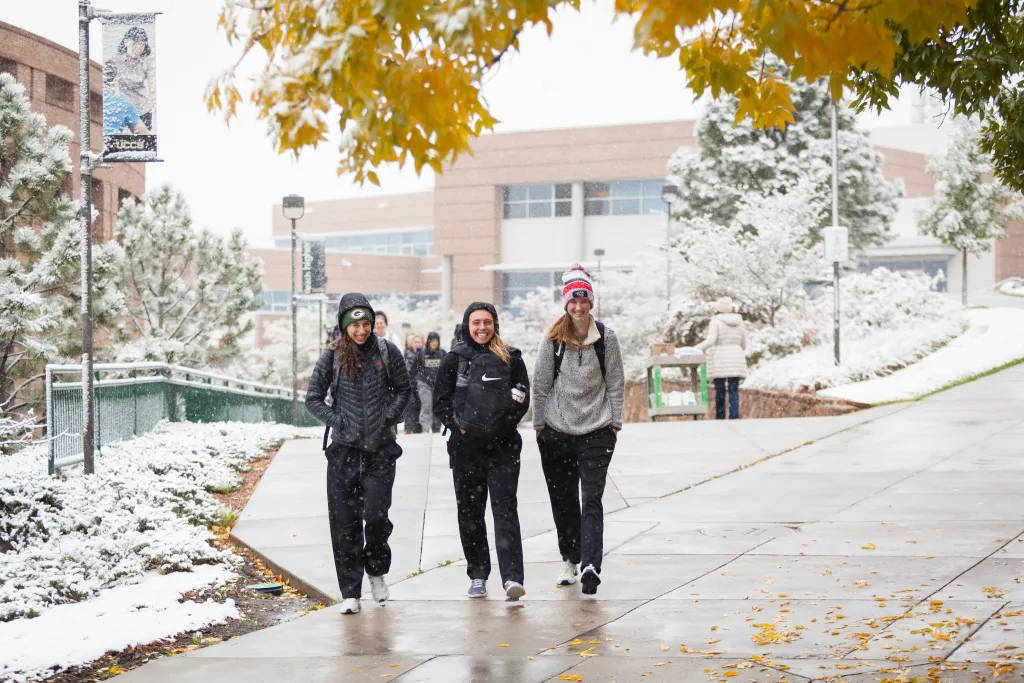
column 578, row 389
column 481, row 393
column 359, row 388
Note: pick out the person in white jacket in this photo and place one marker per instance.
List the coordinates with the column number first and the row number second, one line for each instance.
column 725, row 347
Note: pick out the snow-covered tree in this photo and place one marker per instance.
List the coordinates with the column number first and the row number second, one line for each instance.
column 190, row 293
column 39, row 253
column 969, row 210
column 734, row 159
column 271, row 363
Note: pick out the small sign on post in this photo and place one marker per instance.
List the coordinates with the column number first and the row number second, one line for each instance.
column 837, row 244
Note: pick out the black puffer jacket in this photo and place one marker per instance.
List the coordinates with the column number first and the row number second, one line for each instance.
column 364, row 413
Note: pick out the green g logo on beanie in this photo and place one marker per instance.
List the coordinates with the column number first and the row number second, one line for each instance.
column 355, row 315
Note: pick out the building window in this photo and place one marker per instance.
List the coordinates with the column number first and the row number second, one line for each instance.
column 124, row 195
column 930, row 267
column 275, row 302
column 518, row 285
column 96, row 107
column 407, row 243
column 8, row 66
column 60, row 93
column 623, row 198
column 537, row 201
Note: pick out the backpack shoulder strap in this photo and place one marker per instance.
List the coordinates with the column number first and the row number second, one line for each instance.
column 559, row 350
column 463, row 364
column 382, row 346
column 599, row 346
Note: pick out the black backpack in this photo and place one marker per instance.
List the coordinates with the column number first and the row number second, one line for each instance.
column 382, row 346
column 598, row 349
column 483, row 395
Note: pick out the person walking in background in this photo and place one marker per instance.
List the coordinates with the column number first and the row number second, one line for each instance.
column 725, row 346
column 457, row 336
column 481, row 393
column 578, row 392
column 424, row 372
column 358, row 389
column 411, row 418
column 381, row 328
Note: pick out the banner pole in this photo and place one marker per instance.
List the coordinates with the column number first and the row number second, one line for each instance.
column 85, row 189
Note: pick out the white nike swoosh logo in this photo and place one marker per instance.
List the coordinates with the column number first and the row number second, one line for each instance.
column 489, row 379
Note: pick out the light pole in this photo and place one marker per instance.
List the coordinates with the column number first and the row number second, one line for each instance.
column 85, row 178
column 599, row 253
column 294, row 207
column 669, row 192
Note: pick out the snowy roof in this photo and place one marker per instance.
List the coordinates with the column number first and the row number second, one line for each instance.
column 919, row 137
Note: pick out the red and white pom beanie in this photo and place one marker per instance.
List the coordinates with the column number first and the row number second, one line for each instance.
column 576, row 284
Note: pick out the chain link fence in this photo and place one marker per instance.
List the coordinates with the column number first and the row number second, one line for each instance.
column 131, row 398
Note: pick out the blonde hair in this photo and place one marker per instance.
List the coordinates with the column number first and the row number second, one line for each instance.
column 499, row 348
column 563, row 332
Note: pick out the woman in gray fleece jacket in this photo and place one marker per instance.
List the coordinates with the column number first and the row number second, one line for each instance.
column 578, row 388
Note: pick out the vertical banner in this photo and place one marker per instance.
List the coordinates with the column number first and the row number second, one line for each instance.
column 129, row 87
column 314, row 273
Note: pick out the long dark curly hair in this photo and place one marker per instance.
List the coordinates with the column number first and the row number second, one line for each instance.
column 138, row 35
column 348, row 357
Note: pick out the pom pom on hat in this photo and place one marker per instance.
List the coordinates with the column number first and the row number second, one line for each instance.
column 577, row 284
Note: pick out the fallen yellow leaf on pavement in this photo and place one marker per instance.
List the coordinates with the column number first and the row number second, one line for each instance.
column 869, row 546
column 570, row 677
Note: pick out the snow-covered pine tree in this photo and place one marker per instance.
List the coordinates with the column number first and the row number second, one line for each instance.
column 39, row 253
column 968, row 210
column 189, row 292
column 735, row 158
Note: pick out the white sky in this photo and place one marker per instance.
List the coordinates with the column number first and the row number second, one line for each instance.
column 585, row 74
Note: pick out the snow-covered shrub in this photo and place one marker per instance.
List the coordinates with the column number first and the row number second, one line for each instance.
column 64, row 538
column 15, row 430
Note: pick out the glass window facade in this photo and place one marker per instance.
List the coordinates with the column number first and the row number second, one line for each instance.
column 410, row 243
column 623, row 198
column 519, row 284
column 537, row 201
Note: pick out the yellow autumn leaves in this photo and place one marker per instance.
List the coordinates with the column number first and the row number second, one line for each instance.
column 402, row 80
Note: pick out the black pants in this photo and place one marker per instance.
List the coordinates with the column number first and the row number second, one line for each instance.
column 359, row 487
column 732, row 385
column 572, row 463
column 411, row 415
column 480, row 470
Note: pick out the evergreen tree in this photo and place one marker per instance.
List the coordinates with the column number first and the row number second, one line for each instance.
column 736, row 158
column 39, row 253
column 189, row 292
column 968, row 211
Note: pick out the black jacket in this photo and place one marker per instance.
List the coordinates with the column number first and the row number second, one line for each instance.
column 425, row 364
column 364, row 413
column 447, row 374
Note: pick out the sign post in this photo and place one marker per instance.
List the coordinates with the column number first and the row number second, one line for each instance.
column 837, row 239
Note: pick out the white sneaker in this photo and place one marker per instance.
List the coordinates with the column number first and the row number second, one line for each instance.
column 350, row 606
column 514, row 590
column 568, row 573
column 379, row 589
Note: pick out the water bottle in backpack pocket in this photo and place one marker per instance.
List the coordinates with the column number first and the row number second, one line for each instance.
column 483, row 395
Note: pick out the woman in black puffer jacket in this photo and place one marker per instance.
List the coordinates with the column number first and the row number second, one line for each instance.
column 359, row 388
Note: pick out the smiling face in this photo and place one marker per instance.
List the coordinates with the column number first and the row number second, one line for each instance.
column 134, row 48
column 380, row 326
column 481, row 327
column 579, row 310
column 417, row 342
column 358, row 331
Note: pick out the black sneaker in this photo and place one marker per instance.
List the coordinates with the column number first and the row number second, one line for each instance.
column 590, row 580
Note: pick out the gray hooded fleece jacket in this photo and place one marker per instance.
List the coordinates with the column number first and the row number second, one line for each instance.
column 580, row 401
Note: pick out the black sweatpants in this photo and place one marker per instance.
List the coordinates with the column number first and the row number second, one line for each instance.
column 572, row 463
column 359, row 487
column 479, row 471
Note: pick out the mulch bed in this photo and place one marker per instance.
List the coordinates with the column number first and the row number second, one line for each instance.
column 258, row 610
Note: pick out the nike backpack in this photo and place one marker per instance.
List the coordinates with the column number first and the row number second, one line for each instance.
column 483, row 395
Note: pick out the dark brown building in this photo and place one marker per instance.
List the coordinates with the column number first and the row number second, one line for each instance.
column 49, row 73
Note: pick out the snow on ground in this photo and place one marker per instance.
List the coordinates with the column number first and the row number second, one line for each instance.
column 995, row 337
column 868, row 356
column 78, row 633
column 71, row 537
column 1013, row 287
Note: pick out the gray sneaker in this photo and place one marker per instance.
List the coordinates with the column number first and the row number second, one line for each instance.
column 514, row 590
column 477, row 589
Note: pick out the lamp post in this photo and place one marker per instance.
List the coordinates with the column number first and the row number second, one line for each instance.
column 669, row 192
column 294, row 207
column 599, row 253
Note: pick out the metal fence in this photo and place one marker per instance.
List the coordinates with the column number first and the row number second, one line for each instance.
column 131, row 398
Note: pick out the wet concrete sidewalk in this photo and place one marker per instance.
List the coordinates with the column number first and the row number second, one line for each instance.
column 879, row 546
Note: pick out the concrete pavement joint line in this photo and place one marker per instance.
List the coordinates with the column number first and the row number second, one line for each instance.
column 425, row 661
column 619, row 492
column 980, row 626
column 292, row 579
column 426, row 501
column 632, row 538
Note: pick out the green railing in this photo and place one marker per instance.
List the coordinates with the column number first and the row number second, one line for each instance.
column 131, row 398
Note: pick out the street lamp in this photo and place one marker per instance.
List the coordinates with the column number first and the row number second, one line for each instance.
column 599, row 253
column 294, row 207
column 669, row 193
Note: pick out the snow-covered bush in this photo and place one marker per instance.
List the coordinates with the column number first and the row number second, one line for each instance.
column 64, row 538
column 15, row 430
